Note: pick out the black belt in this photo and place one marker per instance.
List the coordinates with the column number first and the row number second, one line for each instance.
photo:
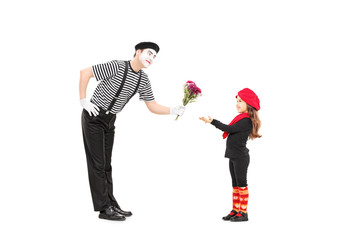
column 105, row 112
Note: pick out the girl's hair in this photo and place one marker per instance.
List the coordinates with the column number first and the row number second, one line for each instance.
column 256, row 123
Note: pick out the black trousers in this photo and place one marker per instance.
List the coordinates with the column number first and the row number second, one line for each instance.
column 238, row 170
column 98, row 134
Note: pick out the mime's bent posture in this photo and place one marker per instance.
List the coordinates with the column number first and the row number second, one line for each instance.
column 119, row 82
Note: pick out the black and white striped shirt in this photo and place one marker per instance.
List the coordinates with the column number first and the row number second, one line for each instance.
column 111, row 74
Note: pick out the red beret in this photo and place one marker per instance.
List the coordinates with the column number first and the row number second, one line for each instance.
column 248, row 96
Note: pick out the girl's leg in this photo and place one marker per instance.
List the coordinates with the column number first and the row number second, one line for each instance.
column 235, row 195
column 240, row 169
column 232, row 173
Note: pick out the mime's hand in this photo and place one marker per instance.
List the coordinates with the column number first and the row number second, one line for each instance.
column 178, row 110
column 206, row 120
column 89, row 107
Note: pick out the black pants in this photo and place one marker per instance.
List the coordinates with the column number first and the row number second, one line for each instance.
column 238, row 170
column 98, row 134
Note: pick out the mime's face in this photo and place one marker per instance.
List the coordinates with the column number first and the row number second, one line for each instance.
column 147, row 57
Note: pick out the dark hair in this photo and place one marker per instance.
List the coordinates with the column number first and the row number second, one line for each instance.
column 256, row 123
column 138, row 49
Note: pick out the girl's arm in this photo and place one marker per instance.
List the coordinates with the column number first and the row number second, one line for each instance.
column 242, row 125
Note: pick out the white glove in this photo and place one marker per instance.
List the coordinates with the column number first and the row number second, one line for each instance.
column 89, row 107
column 178, row 110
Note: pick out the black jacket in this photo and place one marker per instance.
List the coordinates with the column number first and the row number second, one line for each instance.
column 239, row 134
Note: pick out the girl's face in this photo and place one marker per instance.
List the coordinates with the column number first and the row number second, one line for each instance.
column 241, row 106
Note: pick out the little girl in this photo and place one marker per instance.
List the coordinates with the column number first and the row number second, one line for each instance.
column 243, row 126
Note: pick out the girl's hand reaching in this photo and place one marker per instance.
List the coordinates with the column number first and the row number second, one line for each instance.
column 206, row 120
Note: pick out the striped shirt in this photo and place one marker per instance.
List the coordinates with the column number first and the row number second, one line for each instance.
column 110, row 74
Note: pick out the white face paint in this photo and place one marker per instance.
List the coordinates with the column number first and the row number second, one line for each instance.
column 147, row 57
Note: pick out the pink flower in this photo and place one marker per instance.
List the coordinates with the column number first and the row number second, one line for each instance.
column 191, row 92
column 194, row 89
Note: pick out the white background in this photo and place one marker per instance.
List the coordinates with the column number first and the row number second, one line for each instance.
column 300, row 57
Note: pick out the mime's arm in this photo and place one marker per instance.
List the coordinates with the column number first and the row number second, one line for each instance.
column 156, row 108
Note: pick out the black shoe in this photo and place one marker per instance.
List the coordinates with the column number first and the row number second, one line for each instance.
column 122, row 212
column 111, row 214
column 230, row 215
column 240, row 217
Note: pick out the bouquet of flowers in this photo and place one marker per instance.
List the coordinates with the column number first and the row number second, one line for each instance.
column 191, row 92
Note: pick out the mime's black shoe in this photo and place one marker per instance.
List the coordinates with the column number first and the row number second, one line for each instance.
column 111, row 214
column 240, row 217
column 122, row 212
column 230, row 215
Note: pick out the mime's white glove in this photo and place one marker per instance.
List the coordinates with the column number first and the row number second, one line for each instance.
column 178, row 110
column 89, row 107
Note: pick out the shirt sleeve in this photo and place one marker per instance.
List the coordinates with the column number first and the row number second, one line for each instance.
column 241, row 126
column 145, row 92
column 105, row 70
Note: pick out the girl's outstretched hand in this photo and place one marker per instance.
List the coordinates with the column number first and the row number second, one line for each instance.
column 206, row 120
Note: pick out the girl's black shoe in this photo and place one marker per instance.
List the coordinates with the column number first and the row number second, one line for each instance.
column 230, row 215
column 240, row 217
